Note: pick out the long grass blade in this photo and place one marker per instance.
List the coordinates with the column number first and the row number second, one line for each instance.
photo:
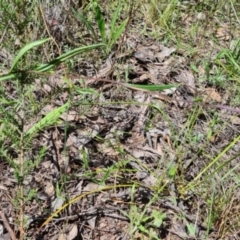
column 118, row 32
column 115, row 16
column 7, row 77
column 25, row 49
column 88, row 24
column 100, row 22
column 66, row 56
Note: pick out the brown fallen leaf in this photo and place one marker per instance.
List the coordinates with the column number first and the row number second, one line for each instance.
column 223, row 33
column 211, row 95
column 165, row 52
column 73, row 232
column 49, row 189
column 188, row 79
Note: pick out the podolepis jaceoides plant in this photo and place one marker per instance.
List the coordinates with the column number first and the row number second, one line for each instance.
column 229, row 60
column 109, row 36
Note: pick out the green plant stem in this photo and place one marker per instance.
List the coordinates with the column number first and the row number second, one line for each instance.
column 194, row 182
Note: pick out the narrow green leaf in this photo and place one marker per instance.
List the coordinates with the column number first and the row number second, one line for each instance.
column 115, row 16
column 85, row 91
column 85, row 159
column 133, row 192
column 65, row 56
column 7, row 77
column 142, row 228
column 25, row 49
column 100, row 22
column 236, row 50
column 172, row 171
column 86, row 22
column 158, row 218
column 194, row 67
column 191, row 229
column 232, row 60
column 118, row 32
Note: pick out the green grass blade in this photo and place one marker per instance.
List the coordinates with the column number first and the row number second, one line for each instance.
column 100, row 22
column 118, row 32
column 7, row 77
column 65, row 56
column 236, row 50
column 114, row 19
column 25, row 49
column 233, row 61
column 49, row 120
column 196, row 181
column 85, row 91
column 86, row 23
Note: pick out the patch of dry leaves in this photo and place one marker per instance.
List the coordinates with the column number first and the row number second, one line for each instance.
column 122, row 127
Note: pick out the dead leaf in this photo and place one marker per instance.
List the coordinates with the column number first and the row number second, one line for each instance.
column 62, row 236
column 223, row 33
column 153, row 53
column 49, row 189
column 92, row 222
column 233, row 119
column 188, row 79
column 57, row 203
column 108, row 150
column 150, row 181
column 212, row 95
column 91, row 187
column 140, row 235
column 201, row 70
column 165, row 52
column 70, row 116
column 47, row 109
column 73, row 232
column 144, row 54
column 141, row 174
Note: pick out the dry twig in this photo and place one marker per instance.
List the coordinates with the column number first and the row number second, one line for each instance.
column 7, row 226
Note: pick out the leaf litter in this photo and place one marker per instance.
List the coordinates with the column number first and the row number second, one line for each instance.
column 129, row 133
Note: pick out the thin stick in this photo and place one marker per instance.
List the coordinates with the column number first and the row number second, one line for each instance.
column 21, row 212
column 3, row 34
column 7, row 226
column 48, row 31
